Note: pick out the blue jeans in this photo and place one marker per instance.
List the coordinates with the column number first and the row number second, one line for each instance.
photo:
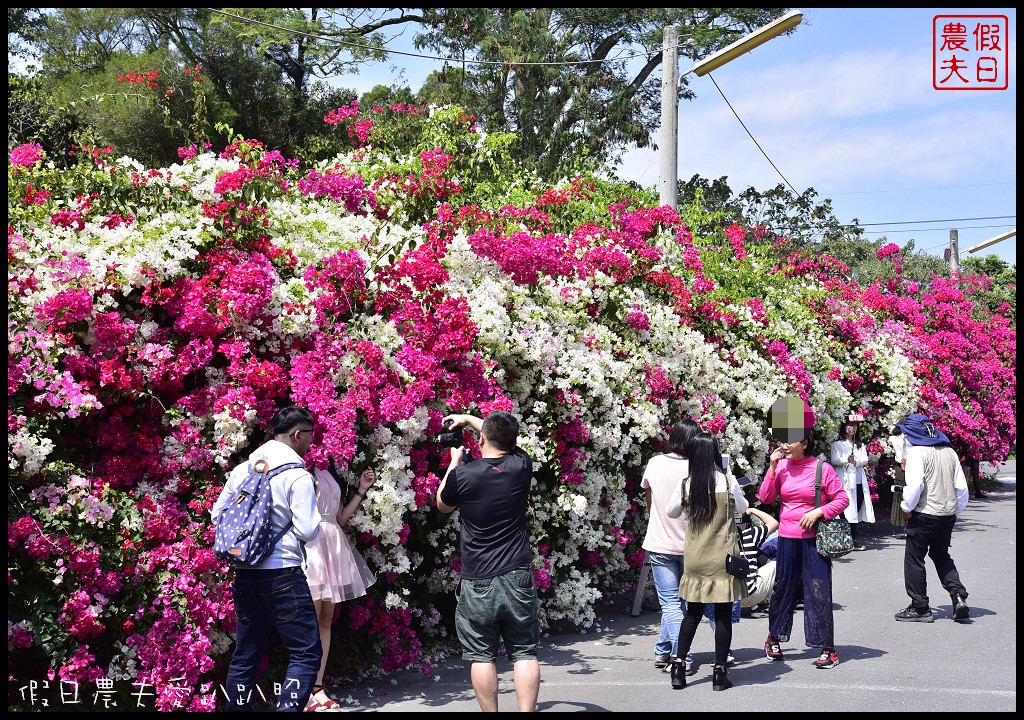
column 280, row 600
column 667, row 571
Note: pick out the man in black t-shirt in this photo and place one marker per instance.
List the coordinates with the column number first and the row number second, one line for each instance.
column 497, row 598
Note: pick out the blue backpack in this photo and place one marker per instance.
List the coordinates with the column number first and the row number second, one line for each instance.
column 243, row 536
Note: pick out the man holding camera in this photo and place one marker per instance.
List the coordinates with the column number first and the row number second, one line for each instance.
column 497, row 599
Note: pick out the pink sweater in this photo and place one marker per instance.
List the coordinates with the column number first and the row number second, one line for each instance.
column 793, row 481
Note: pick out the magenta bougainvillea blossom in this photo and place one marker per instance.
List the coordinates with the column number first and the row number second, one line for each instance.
column 157, row 318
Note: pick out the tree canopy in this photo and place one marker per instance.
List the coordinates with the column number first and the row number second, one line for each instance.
column 574, row 84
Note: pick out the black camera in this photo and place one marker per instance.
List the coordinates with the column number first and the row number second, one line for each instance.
column 450, row 437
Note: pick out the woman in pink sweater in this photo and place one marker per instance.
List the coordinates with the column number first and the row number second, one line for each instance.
column 790, row 478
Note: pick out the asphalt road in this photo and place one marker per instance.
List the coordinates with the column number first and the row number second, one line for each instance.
column 885, row 666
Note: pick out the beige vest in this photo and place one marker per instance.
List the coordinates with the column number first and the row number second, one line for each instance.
column 940, row 465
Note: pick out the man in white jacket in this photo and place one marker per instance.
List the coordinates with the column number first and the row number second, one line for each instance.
column 274, row 594
column 935, row 494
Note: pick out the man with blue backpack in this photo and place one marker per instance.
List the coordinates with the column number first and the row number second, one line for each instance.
column 261, row 533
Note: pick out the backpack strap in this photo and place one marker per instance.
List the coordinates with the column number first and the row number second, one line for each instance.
column 271, row 473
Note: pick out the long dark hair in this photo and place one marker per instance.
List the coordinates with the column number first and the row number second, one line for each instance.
column 857, row 442
column 681, row 437
column 705, row 460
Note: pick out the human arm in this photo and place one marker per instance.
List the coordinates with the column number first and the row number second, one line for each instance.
column 222, row 501
column 768, row 492
column 346, row 511
column 675, row 503
column 742, row 504
column 302, row 504
column 860, row 456
column 914, row 481
column 236, row 477
column 770, row 523
column 647, row 496
column 960, row 487
column 459, row 420
column 837, row 458
column 456, row 460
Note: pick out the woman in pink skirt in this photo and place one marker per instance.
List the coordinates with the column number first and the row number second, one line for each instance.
column 335, row 570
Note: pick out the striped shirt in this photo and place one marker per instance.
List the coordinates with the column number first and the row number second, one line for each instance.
column 751, row 538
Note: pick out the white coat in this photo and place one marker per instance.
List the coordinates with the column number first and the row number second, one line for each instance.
column 852, row 475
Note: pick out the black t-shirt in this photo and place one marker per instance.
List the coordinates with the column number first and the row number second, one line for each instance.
column 492, row 496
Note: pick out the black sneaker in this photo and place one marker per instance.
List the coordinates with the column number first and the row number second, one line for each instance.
column 910, row 614
column 772, row 649
column 960, row 609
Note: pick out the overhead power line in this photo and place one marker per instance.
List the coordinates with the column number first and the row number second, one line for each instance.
column 744, row 125
column 931, row 230
column 646, row 55
column 918, row 222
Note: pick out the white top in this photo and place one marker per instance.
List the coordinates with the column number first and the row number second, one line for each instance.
column 663, row 475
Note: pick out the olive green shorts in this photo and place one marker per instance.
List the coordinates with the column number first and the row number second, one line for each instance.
column 496, row 610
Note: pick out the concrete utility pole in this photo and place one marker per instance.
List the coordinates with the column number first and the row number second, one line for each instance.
column 668, row 178
column 954, row 251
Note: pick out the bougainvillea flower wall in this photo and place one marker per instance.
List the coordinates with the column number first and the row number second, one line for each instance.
column 157, row 317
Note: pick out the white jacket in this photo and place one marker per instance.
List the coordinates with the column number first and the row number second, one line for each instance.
column 852, row 475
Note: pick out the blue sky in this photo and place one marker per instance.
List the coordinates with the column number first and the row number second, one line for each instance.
column 844, row 105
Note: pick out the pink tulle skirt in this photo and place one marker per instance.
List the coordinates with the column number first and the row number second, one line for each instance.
column 335, row 570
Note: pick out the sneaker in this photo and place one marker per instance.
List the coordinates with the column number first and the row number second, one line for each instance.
column 772, row 649
column 730, row 659
column 829, row 658
column 960, row 609
column 912, row 615
column 859, row 548
column 662, row 663
column 759, row 611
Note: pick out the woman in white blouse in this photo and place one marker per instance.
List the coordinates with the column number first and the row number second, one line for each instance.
column 849, row 457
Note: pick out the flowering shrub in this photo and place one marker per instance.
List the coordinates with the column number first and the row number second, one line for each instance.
column 158, row 317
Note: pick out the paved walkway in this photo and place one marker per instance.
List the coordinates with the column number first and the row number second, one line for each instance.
column 885, row 666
